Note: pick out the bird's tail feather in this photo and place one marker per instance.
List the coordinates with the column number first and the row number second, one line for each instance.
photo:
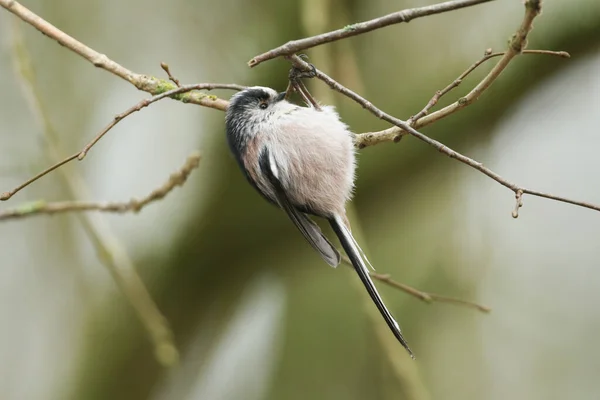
column 354, row 253
column 362, row 253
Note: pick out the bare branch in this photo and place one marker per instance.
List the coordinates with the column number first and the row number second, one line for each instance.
column 7, row 195
column 557, row 198
column 407, row 15
column 176, row 179
column 419, row 294
column 165, row 68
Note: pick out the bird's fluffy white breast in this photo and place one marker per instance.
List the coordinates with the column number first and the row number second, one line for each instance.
column 314, row 151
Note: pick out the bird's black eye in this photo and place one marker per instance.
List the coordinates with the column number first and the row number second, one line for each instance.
column 263, row 106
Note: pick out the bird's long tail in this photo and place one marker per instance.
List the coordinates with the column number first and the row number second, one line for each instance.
column 354, row 253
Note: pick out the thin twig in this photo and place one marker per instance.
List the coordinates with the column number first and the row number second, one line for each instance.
column 419, row 294
column 165, row 68
column 142, row 82
column 7, row 195
column 174, row 93
column 487, row 55
column 407, row 15
column 176, row 179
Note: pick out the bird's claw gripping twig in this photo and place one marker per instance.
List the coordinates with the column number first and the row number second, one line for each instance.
column 295, row 77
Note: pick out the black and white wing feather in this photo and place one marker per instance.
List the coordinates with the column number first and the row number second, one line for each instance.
column 310, row 230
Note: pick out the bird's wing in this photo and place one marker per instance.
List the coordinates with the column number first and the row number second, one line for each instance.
column 311, row 231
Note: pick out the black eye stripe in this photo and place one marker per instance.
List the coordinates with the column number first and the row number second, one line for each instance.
column 250, row 99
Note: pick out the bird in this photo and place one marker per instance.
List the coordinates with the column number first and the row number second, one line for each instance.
column 302, row 159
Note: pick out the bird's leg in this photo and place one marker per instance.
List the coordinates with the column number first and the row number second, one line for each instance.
column 295, row 83
column 306, row 96
column 297, row 73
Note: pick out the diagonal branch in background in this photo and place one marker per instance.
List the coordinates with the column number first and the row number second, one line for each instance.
column 407, row 15
column 532, row 9
column 178, row 178
column 178, row 92
column 109, row 250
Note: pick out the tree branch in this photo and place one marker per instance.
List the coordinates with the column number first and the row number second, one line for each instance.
column 145, row 83
column 178, row 178
column 419, row 294
column 407, row 15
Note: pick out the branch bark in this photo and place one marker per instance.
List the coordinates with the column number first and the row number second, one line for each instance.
column 407, row 15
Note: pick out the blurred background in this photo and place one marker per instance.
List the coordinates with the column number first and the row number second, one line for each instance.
column 255, row 313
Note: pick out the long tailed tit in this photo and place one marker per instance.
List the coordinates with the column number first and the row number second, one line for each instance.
column 302, row 160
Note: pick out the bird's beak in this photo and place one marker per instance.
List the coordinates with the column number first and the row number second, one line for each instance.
column 280, row 96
